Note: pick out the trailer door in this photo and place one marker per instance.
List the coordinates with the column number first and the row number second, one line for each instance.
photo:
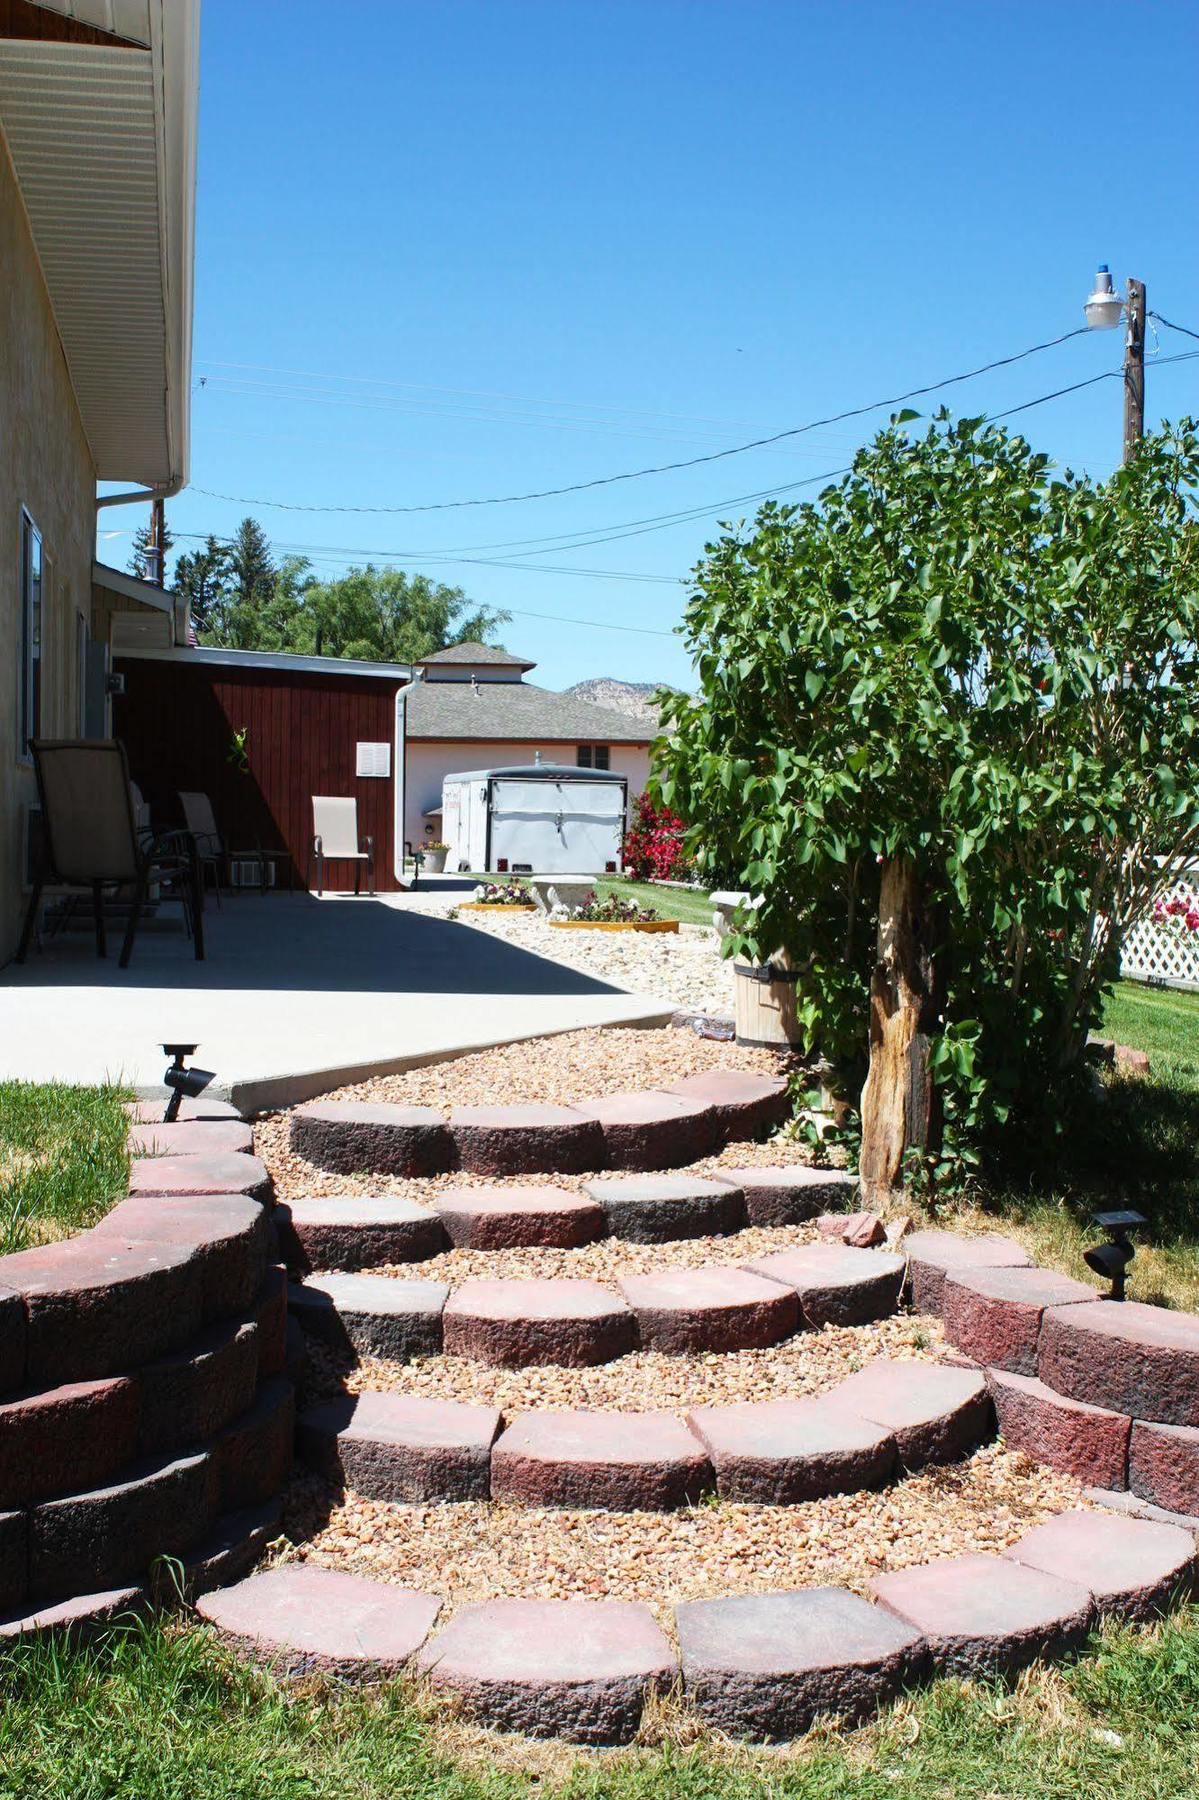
column 561, row 827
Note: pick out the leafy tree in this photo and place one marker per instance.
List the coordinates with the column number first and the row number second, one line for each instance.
column 384, row 615
column 946, row 726
column 141, row 562
column 203, row 578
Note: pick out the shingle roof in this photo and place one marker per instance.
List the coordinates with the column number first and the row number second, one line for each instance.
column 477, row 653
column 517, row 710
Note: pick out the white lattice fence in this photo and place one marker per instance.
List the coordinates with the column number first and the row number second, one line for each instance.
column 1158, row 947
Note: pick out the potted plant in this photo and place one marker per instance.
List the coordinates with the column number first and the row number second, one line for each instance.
column 434, row 858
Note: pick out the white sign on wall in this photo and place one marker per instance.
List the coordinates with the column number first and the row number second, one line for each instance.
column 374, row 760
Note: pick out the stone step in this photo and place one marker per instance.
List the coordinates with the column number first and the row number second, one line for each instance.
column 214, row 1172
column 656, row 1209
column 80, row 1617
column 936, row 1414
column 232, row 1547
column 1163, row 1465
column 362, row 1232
column 1133, row 1569
column 768, row 1665
column 228, row 1235
column 1131, row 1508
column 1085, row 1441
column 652, row 1130
column 577, row 1669
column 354, row 1137
column 373, row 1315
column 836, row 1286
column 931, row 1253
column 682, row 1312
column 400, row 1447
column 746, row 1105
column 149, row 1112
column 790, row 1195
column 993, row 1316
column 73, row 1436
column 192, row 1137
column 302, row 1620
column 785, row 1452
column 1128, row 1357
column 84, row 1542
column 984, row 1616
column 621, row 1462
column 516, row 1323
column 507, row 1218
column 525, row 1140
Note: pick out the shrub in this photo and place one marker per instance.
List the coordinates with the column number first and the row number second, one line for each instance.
column 654, row 845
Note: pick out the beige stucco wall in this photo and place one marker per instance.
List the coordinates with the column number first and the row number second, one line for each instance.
column 427, row 765
column 46, row 467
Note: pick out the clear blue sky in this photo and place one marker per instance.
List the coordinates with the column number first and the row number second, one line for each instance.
column 450, row 249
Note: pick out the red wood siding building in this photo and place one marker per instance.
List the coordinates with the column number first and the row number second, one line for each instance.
column 302, row 722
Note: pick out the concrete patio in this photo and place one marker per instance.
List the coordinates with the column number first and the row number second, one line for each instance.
column 297, row 995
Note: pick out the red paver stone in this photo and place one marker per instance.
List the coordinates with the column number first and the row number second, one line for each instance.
column 78, row 1617
column 994, row 1316
column 374, row 1315
column 402, row 1447
column 66, row 1437
column 271, row 1317
column 1132, row 1568
column 14, row 1559
column 936, row 1414
column 149, row 1112
column 931, row 1253
column 1085, row 1441
column 746, row 1105
column 985, row 1615
column 1133, row 1508
column 228, row 1235
column 352, row 1137
column 525, row 1140
column 516, row 1323
column 658, row 1209
column 193, row 1392
column 768, row 1665
column 99, row 1303
column 652, row 1130
column 358, row 1233
column 836, row 1286
column 1163, row 1465
column 1135, row 1359
column 783, row 1452
column 683, row 1311
column 227, row 1554
column 12, row 1340
column 303, row 1620
column 97, row 1539
column 188, row 1175
column 192, row 1137
column 252, row 1457
column 577, row 1669
column 791, row 1195
column 505, row 1218
column 620, row 1462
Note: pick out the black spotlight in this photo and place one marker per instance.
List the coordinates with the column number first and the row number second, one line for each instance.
column 183, row 1082
column 1111, row 1259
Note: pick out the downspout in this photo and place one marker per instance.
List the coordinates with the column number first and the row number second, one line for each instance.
column 399, row 782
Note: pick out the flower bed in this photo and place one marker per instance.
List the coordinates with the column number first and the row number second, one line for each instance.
column 614, row 914
column 491, row 896
column 615, row 924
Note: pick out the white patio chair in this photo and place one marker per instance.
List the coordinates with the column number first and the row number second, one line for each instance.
column 335, row 839
column 201, row 826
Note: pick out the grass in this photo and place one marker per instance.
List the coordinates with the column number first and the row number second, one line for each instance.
column 692, row 905
column 161, row 1712
column 62, row 1159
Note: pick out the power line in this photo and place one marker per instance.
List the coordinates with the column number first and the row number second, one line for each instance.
column 1171, row 326
column 691, row 462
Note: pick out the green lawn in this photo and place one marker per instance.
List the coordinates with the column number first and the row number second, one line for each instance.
column 689, row 904
column 160, row 1713
column 62, row 1159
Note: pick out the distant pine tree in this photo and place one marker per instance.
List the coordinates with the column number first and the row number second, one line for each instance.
column 141, row 563
column 203, row 579
column 251, row 565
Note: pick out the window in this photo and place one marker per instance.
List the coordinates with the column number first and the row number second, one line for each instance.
column 583, row 758
column 592, row 756
column 30, row 716
column 601, row 756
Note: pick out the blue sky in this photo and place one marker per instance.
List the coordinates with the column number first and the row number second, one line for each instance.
column 454, row 250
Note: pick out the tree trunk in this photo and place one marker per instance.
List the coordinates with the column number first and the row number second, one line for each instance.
column 900, row 1109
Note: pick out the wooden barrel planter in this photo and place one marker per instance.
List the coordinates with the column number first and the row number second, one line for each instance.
column 764, row 1005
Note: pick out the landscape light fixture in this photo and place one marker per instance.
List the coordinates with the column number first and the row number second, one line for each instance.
column 184, row 1083
column 1111, row 1259
column 1104, row 306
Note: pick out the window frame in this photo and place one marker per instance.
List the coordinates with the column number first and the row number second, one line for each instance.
column 30, row 661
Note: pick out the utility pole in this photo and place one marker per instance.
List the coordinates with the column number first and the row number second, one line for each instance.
column 157, row 552
column 1134, row 368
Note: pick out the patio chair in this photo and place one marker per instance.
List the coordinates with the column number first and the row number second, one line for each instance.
column 335, row 839
column 200, row 823
column 91, row 838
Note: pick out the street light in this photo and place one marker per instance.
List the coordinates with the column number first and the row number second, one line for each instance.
column 1104, row 309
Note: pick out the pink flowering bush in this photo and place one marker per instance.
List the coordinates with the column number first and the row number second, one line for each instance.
column 1178, row 914
column 653, row 845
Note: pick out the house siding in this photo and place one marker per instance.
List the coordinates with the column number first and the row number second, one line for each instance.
column 45, row 467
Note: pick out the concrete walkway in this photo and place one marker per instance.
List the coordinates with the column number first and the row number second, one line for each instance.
column 297, row 996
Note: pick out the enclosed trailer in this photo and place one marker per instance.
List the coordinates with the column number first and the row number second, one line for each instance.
column 543, row 818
